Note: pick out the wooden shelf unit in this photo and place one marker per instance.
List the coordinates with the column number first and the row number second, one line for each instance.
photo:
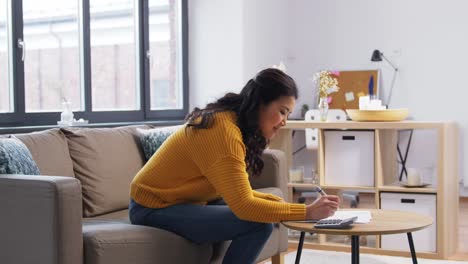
column 385, row 169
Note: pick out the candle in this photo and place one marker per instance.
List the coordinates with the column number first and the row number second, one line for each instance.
column 414, row 176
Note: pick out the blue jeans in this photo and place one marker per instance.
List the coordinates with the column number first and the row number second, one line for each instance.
column 207, row 224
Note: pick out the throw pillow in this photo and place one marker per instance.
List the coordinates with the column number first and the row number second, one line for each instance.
column 152, row 139
column 49, row 149
column 15, row 158
column 105, row 160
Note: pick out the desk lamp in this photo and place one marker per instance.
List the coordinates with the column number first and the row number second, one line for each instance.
column 377, row 56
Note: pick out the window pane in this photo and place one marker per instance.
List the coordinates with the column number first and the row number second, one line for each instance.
column 166, row 60
column 5, row 105
column 113, row 55
column 51, row 67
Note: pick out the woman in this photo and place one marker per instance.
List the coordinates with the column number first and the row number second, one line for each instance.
column 209, row 159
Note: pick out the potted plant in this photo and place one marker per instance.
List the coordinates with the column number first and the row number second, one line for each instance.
column 304, row 109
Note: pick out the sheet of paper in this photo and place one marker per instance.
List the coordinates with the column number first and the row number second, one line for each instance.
column 363, row 216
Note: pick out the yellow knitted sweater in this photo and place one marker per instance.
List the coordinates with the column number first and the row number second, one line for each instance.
column 199, row 165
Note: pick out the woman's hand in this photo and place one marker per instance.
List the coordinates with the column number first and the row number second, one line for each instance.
column 322, row 207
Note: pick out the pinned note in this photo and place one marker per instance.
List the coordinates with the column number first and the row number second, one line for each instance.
column 349, row 96
column 336, row 73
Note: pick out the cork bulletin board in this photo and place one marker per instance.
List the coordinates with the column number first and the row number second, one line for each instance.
column 353, row 84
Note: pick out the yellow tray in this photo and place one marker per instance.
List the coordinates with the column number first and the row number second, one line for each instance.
column 378, row 115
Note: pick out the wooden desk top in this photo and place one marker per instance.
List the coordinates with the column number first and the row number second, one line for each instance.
column 382, row 222
column 408, row 124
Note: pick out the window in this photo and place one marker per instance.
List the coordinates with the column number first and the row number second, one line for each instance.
column 51, row 65
column 165, row 61
column 113, row 55
column 5, row 95
column 114, row 60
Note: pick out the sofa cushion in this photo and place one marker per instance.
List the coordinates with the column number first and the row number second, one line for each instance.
column 15, row 158
column 105, row 160
column 120, row 243
column 101, row 241
column 152, row 139
column 49, row 149
column 117, row 216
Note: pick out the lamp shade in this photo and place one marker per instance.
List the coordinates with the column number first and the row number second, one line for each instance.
column 376, row 55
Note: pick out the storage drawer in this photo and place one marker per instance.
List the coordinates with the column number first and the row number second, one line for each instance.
column 349, row 158
column 424, row 204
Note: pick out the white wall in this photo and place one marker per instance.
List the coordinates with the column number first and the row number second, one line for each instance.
column 264, row 34
column 215, row 49
column 231, row 40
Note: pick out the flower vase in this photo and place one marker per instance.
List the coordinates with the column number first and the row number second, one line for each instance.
column 323, row 108
column 66, row 117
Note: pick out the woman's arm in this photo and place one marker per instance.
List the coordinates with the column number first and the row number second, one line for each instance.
column 267, row 196
column 229, row 178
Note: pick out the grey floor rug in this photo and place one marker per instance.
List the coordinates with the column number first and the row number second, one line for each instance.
column 310, row 256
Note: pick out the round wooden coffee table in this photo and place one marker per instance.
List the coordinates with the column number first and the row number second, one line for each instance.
column 383, row 222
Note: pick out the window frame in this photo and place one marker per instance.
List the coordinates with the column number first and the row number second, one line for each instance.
column 19, row 117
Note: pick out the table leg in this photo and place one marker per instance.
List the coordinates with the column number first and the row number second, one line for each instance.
column 355, row 249
column 299, row 248
column 411, row 245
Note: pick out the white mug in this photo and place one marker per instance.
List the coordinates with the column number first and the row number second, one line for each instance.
column 414, row 176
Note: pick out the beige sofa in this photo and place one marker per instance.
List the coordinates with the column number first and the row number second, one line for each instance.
column 79, row 213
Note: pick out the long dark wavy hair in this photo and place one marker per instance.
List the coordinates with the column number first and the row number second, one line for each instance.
column 267, row 86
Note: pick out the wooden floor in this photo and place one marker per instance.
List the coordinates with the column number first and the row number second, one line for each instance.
column 462, row 253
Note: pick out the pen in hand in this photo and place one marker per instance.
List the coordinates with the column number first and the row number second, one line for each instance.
column 320, row 190
column 322, row 193
column 322, row 207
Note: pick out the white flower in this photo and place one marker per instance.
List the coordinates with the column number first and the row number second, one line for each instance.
column 326, row 83
column 280, row 67
column 332, row 89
